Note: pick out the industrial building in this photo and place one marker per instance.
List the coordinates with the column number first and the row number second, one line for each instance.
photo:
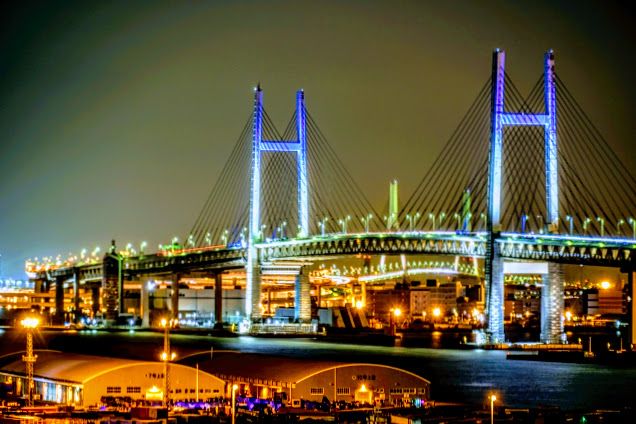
column 83, row 380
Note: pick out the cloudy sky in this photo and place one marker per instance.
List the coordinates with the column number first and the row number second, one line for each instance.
column 116, row 117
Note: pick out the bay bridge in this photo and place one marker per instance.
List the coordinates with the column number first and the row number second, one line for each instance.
column 512, row 184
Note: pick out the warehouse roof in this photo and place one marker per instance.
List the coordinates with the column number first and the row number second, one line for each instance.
column 270, row 370
column 67, row 367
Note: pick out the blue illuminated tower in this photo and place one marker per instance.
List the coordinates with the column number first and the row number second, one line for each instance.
column 299, row 147
column 494, row 264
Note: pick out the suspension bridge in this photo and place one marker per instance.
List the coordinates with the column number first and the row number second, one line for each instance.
column 512, row 183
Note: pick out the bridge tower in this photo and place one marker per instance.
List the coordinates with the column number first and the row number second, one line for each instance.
column 552, row 292
column 299, row 147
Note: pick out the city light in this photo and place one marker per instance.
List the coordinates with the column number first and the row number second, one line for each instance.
column 493, row 398
column 437, row 312
column 30, row 322
column 605, row 285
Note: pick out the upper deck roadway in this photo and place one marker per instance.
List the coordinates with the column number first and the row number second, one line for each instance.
column 566, row 249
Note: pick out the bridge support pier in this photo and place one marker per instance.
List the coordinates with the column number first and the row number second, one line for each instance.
column 112, row 284
column 95, row 298
column 144, row 302
column 253, row 292
column 552, row 305
column 76, row 296
column 41, row 285
column 59, row 300
column 302, row 305
column 218, row 301
column 495, row 288
column 174, row 296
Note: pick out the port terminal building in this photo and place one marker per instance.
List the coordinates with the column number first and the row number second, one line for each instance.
column 84, row 380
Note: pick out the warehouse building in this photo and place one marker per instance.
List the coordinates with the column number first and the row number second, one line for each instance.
column 83, row 380
column 268, row 377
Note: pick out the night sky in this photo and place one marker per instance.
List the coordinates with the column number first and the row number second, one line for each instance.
column 116, row 117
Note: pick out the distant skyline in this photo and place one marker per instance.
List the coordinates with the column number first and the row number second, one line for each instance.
column 116, row 117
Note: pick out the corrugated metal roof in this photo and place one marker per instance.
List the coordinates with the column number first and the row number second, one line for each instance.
column 67, row 367
column 267, row 370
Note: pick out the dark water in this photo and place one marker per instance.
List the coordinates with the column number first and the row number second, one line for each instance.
column 456, row 375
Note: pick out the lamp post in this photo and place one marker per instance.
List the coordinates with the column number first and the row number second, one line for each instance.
column 632, row 222
column 493, row 398
column 365, row 221
column 412, row 219
column 483, row 217
column 431, row 217
column 282, row 229
column 618, row 226
column 540, row 223
column 602, row 222
column 321, row 224
column 585, row 225
column 225, row 237
column 166, row 357
column 570, row 221
column 29, row 324
column 208, row 239
column 343, row 223
column 234, row 389
column 142, row 247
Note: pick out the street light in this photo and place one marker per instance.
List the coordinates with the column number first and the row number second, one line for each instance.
column 540, row 223
column 282, row 229
column 208, row 239
column 602, row 222
column 224, row 237
column 321, row 224
column 343, row 223
column 632, row 222
column 570, row 221
column 431, row 216
column 493, row 398
column 234, row 389
column 483, row 216
column 412, row 220
column 166, row 357
column 29, row 324
column 618, row 226
column 142, row 247
column 585, row 225
column 365, row 221
column 394, row 314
